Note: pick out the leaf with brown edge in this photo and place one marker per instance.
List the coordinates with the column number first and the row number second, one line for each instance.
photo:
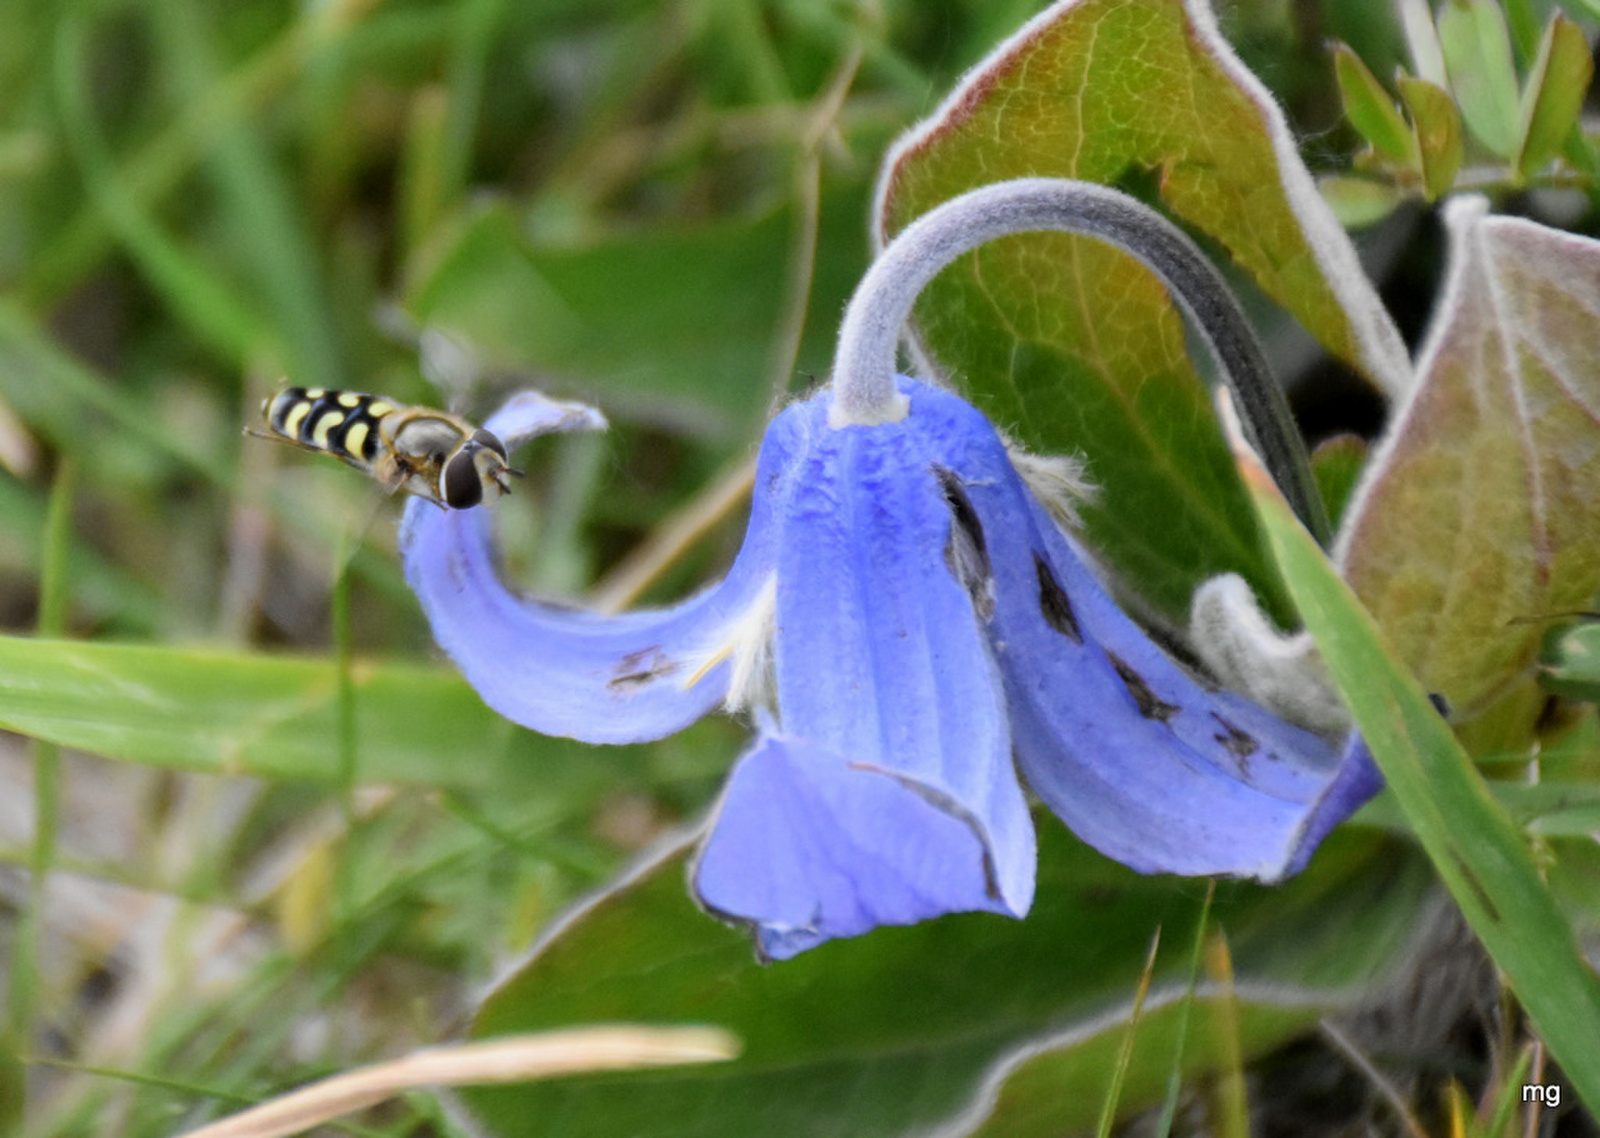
column 1100, row 89
column 1070, row 345
column 1478, row 510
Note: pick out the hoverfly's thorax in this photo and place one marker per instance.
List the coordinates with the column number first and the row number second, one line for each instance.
column 426, row 435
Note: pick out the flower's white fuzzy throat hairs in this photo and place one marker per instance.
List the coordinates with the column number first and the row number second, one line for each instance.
column 1061, row 482
column 747, row 642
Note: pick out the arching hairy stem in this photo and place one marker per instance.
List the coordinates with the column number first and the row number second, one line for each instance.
column 865, row 364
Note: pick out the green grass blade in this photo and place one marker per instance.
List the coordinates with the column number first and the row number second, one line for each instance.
column 53, row 390
column 206, row 302
column 1229, row 1096
column 102, row 589
column 474, row 36
column 1169, row 1107
column 1571, row 665
column 259, row 206
column 152, row 173
column 235, row 713
column 54, row 594
column 1475, row 847
column 1119, row 1072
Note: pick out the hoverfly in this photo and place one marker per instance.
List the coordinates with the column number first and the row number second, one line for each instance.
column 432, row 454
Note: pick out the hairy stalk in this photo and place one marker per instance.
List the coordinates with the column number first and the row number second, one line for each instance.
column 865, row 364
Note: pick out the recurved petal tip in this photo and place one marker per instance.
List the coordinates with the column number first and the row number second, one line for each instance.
column 528, row 414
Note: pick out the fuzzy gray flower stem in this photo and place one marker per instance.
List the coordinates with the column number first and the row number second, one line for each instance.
column 865, row 363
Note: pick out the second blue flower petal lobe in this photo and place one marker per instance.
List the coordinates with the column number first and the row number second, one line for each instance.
column 806, row 847
column 893, row 721
column 881, row 656
column 1135, row 755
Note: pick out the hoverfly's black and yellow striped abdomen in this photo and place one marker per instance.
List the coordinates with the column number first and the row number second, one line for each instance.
column 432, row 454
column 343, row 423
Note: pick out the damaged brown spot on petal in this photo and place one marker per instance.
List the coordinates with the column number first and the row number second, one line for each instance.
column 966, row 552
column 1150, row 705
column 1054, row 604
column 1237, row 742
column 637, row 669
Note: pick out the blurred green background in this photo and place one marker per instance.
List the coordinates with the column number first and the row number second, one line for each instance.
column 659, row 206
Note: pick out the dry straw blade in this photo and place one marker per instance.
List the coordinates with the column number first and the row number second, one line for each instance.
column 509, row 1059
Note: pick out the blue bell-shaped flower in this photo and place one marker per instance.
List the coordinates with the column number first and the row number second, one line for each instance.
column 911, row 627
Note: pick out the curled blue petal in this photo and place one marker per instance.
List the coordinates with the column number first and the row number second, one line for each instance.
column 1137, row 757
column 528, row 414
column 601, row 679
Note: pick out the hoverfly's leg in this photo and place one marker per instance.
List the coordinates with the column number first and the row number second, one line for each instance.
column 500, row 477
column 393, row 470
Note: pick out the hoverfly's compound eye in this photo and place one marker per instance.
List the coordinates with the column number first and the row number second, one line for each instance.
column 486, row 439
column 459, row 482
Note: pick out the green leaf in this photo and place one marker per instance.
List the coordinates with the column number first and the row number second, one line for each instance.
column 1572, row 666
column 1523, row 22
column 1437, row 122
column 1477, row 511
column 1057, row 1089
column 1337, row 464
column 671, row 325
column 1359, row 202
column 1422, row 41
column 1371, row 109
column 966, row 1021
column 1554, row 94
column 1477, row 52
column 1474, row 846
column 1072, row 346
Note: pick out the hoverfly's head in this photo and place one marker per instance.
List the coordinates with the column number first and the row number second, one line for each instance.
column 479, row 463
